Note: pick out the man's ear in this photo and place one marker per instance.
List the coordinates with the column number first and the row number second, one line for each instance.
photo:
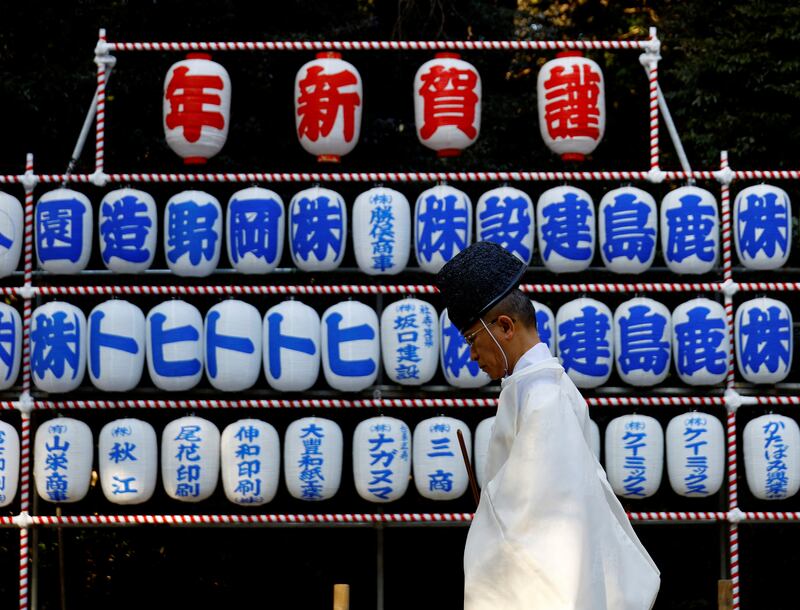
column 506, row 323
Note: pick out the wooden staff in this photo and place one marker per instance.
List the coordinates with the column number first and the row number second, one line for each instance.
column 472, row 482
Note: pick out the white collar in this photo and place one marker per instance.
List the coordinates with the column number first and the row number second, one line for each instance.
column 535, row 355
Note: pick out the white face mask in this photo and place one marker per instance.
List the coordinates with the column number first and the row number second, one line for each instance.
column 505, row 368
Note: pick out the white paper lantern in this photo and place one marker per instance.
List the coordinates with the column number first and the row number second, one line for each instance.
column 9, row 463
column 763, row 334
column 233, row 345
column 505, row 216
column 381, row 459
column 12, row 231
column 442, row 226
column 328, row 98
column 483, row 434
column 351, row 348
column 58, row 347
column 116, row 346
column 317, row 229
column 594, row 439
column 585, row 341
column 762, row 226
column 174, row 339
column 459, row 370
column 690, row 230
column 771, row 450
column 197, row 103
column 565, row 228
column 381, row 231
column 627, row 225
column 127, row 226
column 695, row 454
column 447, row 104
column 291, row 346
column 546, row 325
column 10, row 345
column 127, row 452
column 642, row 341
column 312, row 458
column 634, row 453
column 192, row 233
column 251, row 458
column 62, row 460
column 63, row 226
column 700, row 342
column 439, row 471
column 255, row 221
column 190, row 458
column 410, row 341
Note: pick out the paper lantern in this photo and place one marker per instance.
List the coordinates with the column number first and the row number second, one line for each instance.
column 381, row 459
column 116, row 346
column 58, row 347
column 572, row 105
column 594, row 439
column 312, row 458
column 255, row 222
column 190, row 458
column 127, row 452
column 63, row 231
column 762, row 223
column 197, row 105
column 690, row 230
column 12, row 231
column 447, row 104
column 483, row 434
column 410, row 341
column 442, row 226
column 291, row 346
column 62, row 460
column 585, row 341
column 9, row 464
column 233, row 345
column 439, row 471
column 565, row 229
column 695, row 454
column 127, row 227
column 505, row 216
column 174, row 339
column 627, row 224
column 381, row 231
column 459, row 370
column 317, row 229
column 251, row 456
column 634, row 455
column 546, row 325
column 351, row 348
column 700, row 342
column 192, row 233
column 764, row 340
column 10, row 345
column 328, row 98
column 642, row 341
column 771, row 448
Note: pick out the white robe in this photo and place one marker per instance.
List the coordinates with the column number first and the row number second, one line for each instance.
column 549, row 533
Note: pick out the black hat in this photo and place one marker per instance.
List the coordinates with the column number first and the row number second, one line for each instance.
column 476, row 279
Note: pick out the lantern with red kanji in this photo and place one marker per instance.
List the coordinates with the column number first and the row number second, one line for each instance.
column 572, row 105
column 327, row 106
column 197, row 102
column 447, row 104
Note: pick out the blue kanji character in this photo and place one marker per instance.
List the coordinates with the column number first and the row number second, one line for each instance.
column 215, row 341
column 762, row 226
column 5, row 242
column 122, row 452
column 584, row 340
column 382, row 234
column 642, row 347
column 278, row 341
column 455, row 355
column 190, row 229
column 566, row 227
column 254, row 225
column 318, row 224
column 440, row 447
column 123, row 486
column 337, row 336
column 544, row 329
column 125, row 228
column 55, row 344
column 247, row 433
column 159, row 338
column 98, row 340
column 507, row 222
column 59, row 234
column 627, row 233
column 690, row 226
column 440, row 480
column 8, row 343
column 244, row 450
column 442, row 228
column 699, row 340
column 765, row 338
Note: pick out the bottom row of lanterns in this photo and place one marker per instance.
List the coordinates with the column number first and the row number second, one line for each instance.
column 247, row 454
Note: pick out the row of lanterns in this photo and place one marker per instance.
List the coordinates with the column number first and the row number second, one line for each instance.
column 248, row 455
column 328, row 102
column 567, row 229
column 233, row 343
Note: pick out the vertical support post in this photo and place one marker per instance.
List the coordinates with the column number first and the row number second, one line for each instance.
column 101, row 58
column 650, row 60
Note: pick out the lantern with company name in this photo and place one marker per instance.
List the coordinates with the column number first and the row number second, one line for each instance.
column 634, row 451
column 572, row 105
column 250, row 462
column 190, row 458
column 410, row 341
column 233, row 345
column 505, row 216
column 642, row 341
column 312, row 458
column 192, row 233
column 58, row 347
column 483, row 433
column 439, row 472
column 546, row 325
column 174, row 340
column 700, row 342
column 12, row 230
column 442, row 226
column 255, row 222
column 585, row 341
column 127, row 453
column 291, row 346
column 9, row 464
column 381, row 231
column 771, row 450
column 459, row 370
column 763, row 337
column 690, row 230
column 10, row 345
column 317, row 229
column 197, row 103
column 351, row 348
column 447, row 104
column 381, row 458
column 565, row 228
column 627, row 223
column 63, row 231
column 127, row 227
column 695, row 454
column 762, row 222
column 116, row 346
column 327, row 106
column 62, row 460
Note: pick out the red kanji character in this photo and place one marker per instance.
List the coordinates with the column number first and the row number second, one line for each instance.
column 320, row 100
column 448, row 99
column 186, row 101
column 571, row 108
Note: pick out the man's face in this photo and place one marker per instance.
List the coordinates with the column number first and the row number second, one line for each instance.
column 483, row 348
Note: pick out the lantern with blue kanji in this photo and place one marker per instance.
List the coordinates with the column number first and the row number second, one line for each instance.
column 459, row 370
column 10, row 345
column 63, row 231
column 233, row 345
column 192, row 233
column 689, row 230
column 763, row 335
column 410, row 341
column 771, row 448
column 642, row 341
column 190, row 458
column 254, row 223
column 317, row 229
column 565, row 228
column 634, row 452
column 439, row 471
column 442, row 226
column 627, row 225
column 127, row 225
column 700, row 343
column 483, row 434
column 585, row 341
column 12, row 231
column 505, row 216
column 762, row 226
column 58, row 347
column 62, row 460
column 351, row 348
column 291, row 346
column 250, row 462
column 196, row 108
column 116, row 346
column 9, row 464
column 695, row 454
column 546, row 325
column 312, row 458
column 174, row 339
column 381, row 458
column 127, row 452
column 381, row 231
